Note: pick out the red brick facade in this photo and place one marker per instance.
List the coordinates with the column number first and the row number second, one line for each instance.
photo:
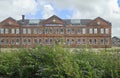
column 73, row 32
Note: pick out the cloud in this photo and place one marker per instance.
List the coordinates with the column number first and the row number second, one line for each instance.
column 15, row 8
column 90, row 9
column 47, row 11
column 82, row 9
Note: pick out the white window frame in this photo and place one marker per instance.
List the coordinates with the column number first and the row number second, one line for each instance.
column 106, row 31
column 17, row 31
column 35, row 31
column 29, row 31
column 83, row 30
column 24, row 31
column 13, row 31
column 95, row 30
column 79, row 30
column 102, row 30
column 2, row 30
column 6, row 30
column 90, row 30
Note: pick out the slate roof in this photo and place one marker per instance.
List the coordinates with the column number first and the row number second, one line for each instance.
column 67, row 21
column 75, row 22
column 115, row 41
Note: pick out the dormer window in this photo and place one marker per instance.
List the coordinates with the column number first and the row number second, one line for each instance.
column 98, row 23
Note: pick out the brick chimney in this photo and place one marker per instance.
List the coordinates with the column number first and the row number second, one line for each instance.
column 23, row 18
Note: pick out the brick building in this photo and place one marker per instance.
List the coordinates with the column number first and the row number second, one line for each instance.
column 73, row 32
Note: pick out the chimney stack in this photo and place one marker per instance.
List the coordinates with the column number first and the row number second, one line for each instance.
column 23, row 18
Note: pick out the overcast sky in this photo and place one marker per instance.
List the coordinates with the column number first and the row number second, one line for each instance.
column 78, row 9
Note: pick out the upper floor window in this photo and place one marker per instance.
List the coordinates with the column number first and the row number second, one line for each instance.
column 17, row 31
column 46, row 31
column 107, row 31
column 73, row 31
column 79, row 31
column 95, row 31
column 2, row 30
column 102, row 30
column 12, row 31
column 50, row 30
column 24, row 31
column 29, row 31
column 40, row 31
column 57, row 31
column 90, row 31
column 35, row 31
column 67, row 31
column 84, row 31
column 61, row 31
column 6, row 31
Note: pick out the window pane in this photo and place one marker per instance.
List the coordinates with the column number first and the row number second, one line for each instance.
column 29, row 41
column 2, row 31
column 17, row 31
column 84, row 31
column 13, row 31
column 90, row 41
column 50, row 30
column 17, row 41
column 72, row 42
column 107, row 31
column 72, row 31
column 90, row 31
column 24, row 31
column 6, row 31
column 29, row 31
column 35, row 30
column 78, row 41
column 95, row 31
column 102, row 30
column 62, row 31
column 68, row 42
column 67, row 31
column 84, row 41
column 51, row 41
column 79, row 31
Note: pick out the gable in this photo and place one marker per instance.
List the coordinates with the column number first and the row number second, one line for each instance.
column 99, row 22
column 54, row 20
column 9, row 22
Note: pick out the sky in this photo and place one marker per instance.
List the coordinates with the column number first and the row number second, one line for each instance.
column 69, row 9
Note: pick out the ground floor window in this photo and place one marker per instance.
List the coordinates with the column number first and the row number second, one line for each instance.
column 78, row 42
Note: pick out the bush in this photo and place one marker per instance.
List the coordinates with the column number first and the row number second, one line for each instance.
column 58, row 62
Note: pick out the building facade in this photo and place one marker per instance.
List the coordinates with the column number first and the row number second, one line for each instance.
column 72, row 32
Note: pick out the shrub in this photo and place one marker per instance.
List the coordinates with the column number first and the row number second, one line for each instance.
column 58, row 62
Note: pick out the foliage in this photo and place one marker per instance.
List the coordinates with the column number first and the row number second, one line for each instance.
column 58, row 62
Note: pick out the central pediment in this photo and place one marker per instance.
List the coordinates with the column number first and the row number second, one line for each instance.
column 54, row 21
